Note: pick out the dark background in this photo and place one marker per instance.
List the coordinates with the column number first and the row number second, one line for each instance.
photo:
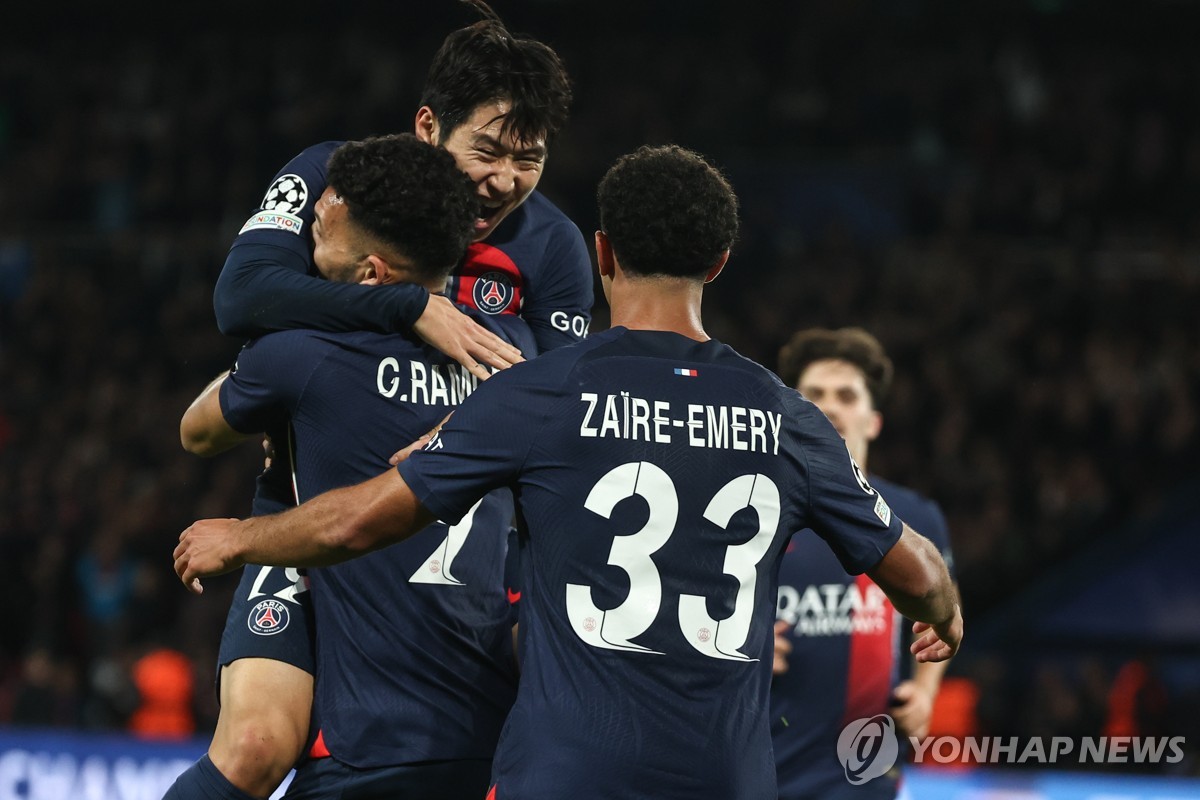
column 1004, row 192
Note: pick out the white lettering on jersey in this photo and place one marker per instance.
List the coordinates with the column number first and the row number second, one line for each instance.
column 569, row 323
column 623, row 416
column 428, row 384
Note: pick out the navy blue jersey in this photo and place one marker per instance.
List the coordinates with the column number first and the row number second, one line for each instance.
column 534, row 264
column 846, row 656
column 657, row 481
column 414, row 654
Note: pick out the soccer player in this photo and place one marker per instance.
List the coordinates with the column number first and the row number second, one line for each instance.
column 658, row 476
column 842, row 632
column 414, row 708
column 492, row 100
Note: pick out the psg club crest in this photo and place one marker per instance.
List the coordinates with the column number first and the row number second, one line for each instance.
column 493, row 292
column 268, row 618
column 287, row 195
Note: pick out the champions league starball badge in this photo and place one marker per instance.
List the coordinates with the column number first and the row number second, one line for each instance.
column 287, row 195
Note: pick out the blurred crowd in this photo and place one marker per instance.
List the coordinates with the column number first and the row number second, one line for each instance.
column 1007, row 199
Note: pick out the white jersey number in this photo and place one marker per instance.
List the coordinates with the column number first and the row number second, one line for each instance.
column 613, row 629
column 436, row 568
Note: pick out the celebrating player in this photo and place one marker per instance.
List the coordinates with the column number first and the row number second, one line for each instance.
column 841, row 630
column 401, row 709
column 658, row 477
column 492, row 100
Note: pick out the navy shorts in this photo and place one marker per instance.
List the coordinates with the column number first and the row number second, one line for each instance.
column 270, row 617
column 330, row 779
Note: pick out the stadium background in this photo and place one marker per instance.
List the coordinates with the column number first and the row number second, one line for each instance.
column 1005, row 193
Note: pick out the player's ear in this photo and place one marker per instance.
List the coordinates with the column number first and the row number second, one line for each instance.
column 426, row 125
column 712, row 274
column 377, row 271
column 604, row 255
column 876, row 426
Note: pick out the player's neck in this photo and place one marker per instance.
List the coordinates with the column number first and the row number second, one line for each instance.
column 659, row 304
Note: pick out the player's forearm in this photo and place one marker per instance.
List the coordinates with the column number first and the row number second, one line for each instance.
column 333, row 527
column 258, row 292
column 914, row 577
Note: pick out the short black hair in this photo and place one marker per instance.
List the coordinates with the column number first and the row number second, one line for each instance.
column 667, row 211
column 410, row 195
column 483, row 62
column 853, row 345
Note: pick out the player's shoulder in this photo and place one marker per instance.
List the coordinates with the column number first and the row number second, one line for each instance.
column 539, row 218
column 509, row 327
column 289, row 344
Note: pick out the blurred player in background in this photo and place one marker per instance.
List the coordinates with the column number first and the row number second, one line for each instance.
column 840, row 654
column 414, row 708
column 658, row 477
column 493, row 100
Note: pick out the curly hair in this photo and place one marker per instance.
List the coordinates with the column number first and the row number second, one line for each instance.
column 853, row 345
column 667, row 212
column 483, row 62
column 410, row 195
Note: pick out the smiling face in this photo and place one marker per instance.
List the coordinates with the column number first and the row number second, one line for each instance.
column 505, row 169
column 839, row 389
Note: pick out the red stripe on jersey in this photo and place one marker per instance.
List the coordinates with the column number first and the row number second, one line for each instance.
column 318, row 749
column 491, row 793
column 480, row 260
column 869, row 673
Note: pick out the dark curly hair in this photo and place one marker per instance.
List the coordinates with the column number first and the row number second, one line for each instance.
column 484, row 62
column 853, row 345
column 667, row 211
column 410, row 195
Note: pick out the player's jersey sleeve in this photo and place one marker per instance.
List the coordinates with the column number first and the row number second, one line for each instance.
column 481, row 447
column 844, row 510
column 268, row 282
column 559, row 304
column 265, row 383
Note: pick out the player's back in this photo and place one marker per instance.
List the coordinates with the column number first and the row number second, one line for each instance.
column 660, row 483
column 414, row 654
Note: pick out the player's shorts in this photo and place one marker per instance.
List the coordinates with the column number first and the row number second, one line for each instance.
column 330, row 779
column 271, row 617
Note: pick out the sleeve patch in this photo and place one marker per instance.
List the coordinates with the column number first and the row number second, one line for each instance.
column 882, row 511
column 287, row 195
column 273, row 220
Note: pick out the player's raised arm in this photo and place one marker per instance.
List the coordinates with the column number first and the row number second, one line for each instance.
column 332, row 527
column 914, row 577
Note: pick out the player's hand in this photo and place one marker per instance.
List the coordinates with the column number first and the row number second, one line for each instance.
column 404, row 453
column 783, row 647
column 206, row 548
column 912, row 708
column 268, row 452
column 463, row 339
column 937, row 642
